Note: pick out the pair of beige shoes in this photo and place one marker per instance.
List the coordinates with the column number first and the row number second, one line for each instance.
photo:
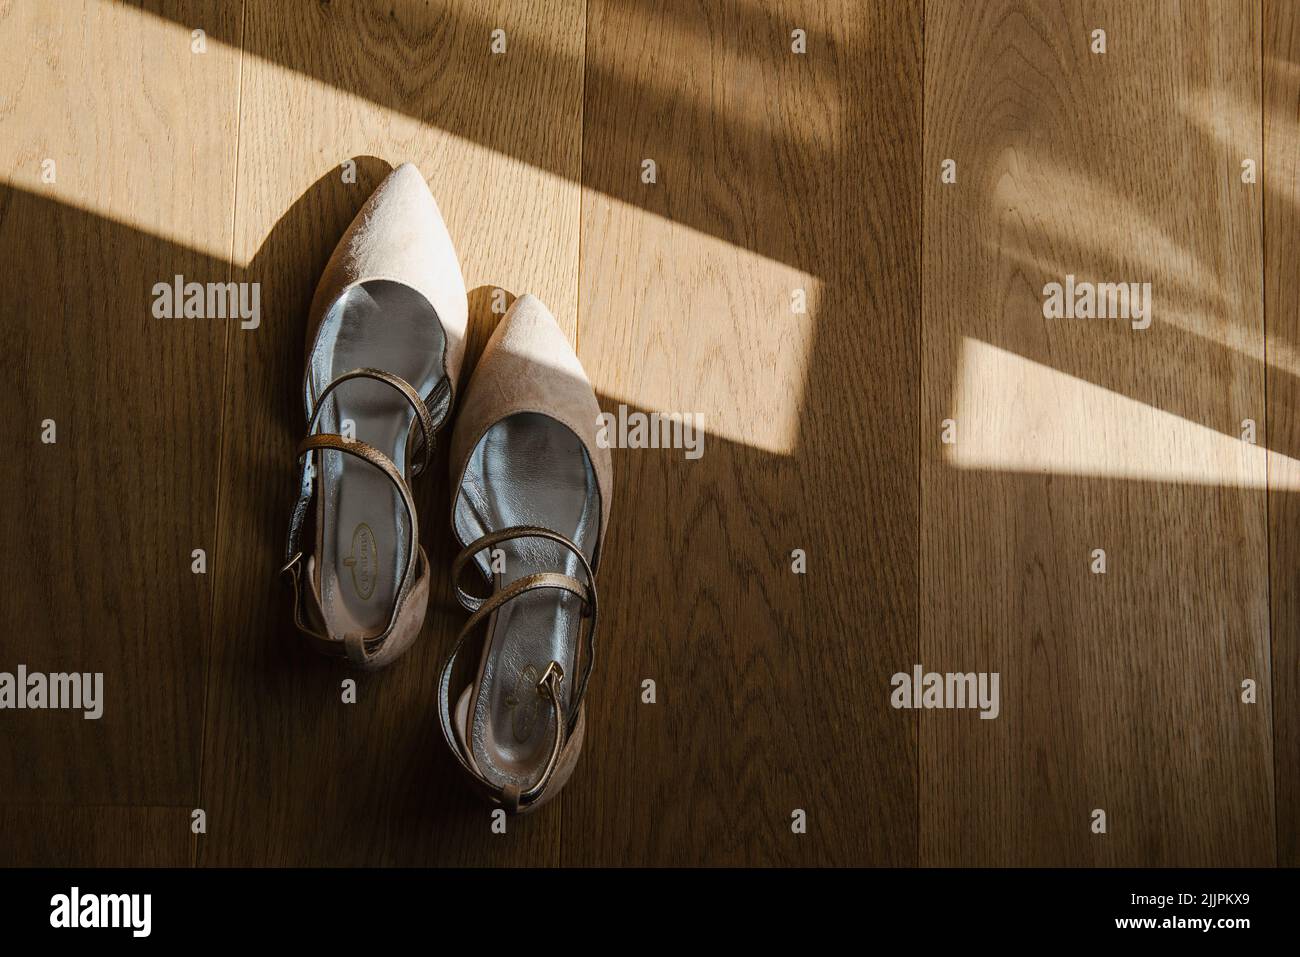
column 531, row 493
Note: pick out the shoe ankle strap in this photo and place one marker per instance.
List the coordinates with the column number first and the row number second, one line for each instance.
column 429, row 419
column 472, row 602
column 513, row 797
column 355, row 646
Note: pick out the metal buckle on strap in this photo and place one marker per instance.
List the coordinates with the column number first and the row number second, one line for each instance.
column 553, row 669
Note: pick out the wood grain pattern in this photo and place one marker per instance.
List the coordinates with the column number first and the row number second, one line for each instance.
column 292, row 775
column 100, row 525
column 776, row 171
column 1282, row 349
column 1119, row 691
column 56, row 835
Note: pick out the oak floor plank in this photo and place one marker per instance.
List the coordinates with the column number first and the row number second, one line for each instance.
column 776, row 171
column 101, row 523
column 1119, row 691
column 292, row 775
column 94, row 836
column 1281, row 178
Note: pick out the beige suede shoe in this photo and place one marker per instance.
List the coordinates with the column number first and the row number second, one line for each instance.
column 530, row 504
column 384, row 346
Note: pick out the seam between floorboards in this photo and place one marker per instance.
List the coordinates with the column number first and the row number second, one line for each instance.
column 221, row 431
column 920, row 425
column 1268, row 421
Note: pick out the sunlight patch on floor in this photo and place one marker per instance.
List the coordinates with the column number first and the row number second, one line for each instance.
column 1017, row 415
column 157, row 152
column 744, row 363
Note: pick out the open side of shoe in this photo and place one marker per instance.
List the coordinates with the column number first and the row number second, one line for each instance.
column 527, row 470
column 363, row 531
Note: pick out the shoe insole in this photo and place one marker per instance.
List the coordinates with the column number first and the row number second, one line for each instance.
column 364, row 530
column 528, row 470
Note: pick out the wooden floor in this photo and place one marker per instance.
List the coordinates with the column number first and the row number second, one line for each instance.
column 781, row 178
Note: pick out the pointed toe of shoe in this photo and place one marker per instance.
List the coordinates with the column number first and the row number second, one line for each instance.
column 400, row 235
column 531, row 332
column 529, row 365
column 400, row 213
